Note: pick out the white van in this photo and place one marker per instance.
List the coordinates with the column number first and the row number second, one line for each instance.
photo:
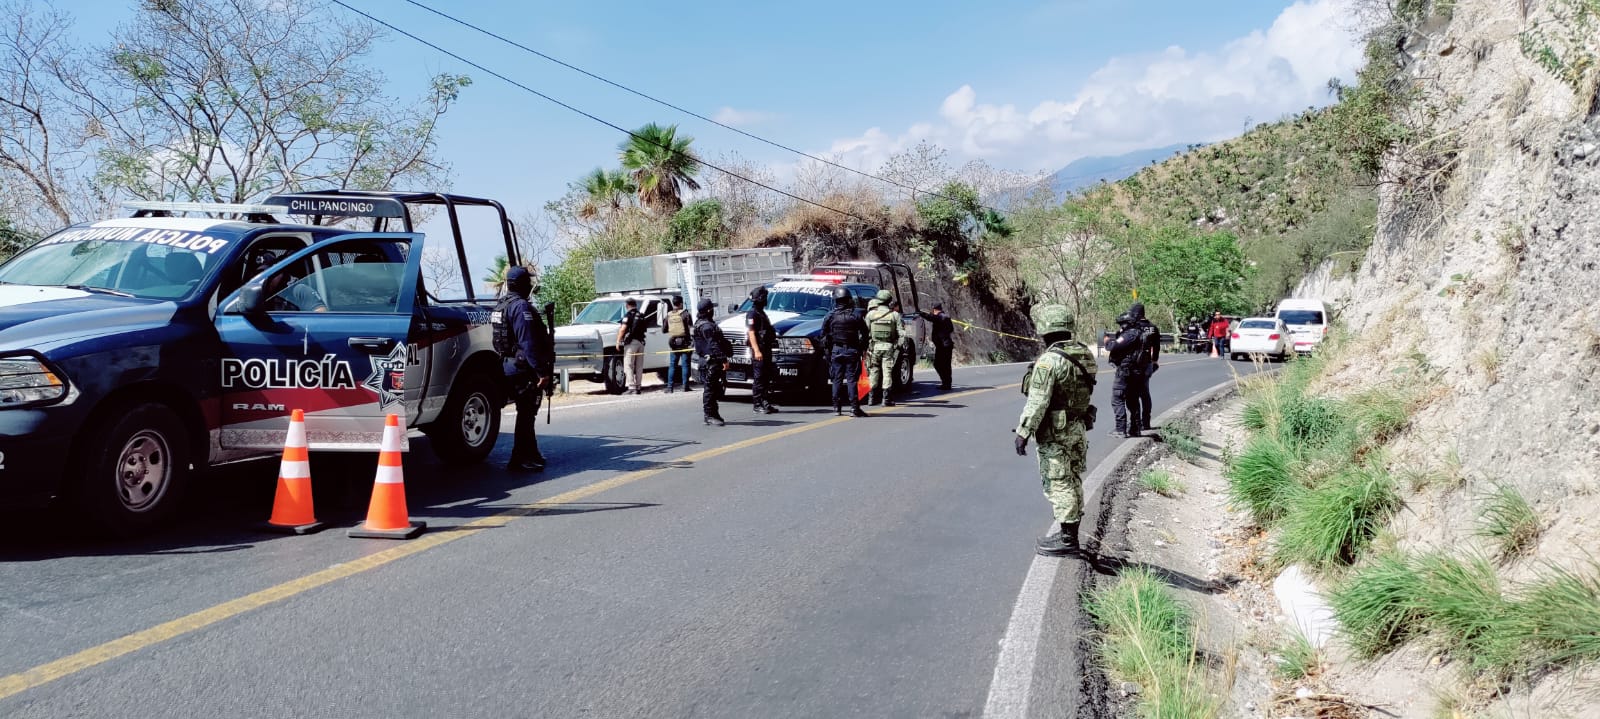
column 1307, row 320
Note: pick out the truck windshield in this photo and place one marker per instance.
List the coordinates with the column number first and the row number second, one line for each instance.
column 601, row 312
column 120, row 267
column 1300, row 317
column 801, row 303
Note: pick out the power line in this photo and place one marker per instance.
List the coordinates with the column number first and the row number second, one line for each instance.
column 686, row 111
column 600, row 120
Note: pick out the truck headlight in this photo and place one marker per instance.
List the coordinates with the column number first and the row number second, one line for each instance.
column 794, row 345
column 26, row 380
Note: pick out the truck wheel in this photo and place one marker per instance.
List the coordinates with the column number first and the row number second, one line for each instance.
column 616, row 377
column 467, row 428
column 903, row 372
column 134, row 470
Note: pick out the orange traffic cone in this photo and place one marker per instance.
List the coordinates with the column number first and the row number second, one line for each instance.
column 386, row 515
column 863, row 383
column 292, row 512
column 1213, row 348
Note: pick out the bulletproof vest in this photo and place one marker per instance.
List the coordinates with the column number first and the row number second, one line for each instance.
column 1078, row 385
column 881, row 320
column 678, row 323
column 843, row 330
column 505, row 343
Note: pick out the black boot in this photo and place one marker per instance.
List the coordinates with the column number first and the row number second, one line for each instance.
column 886, row 401
column 1062, row 544
column 858, row 412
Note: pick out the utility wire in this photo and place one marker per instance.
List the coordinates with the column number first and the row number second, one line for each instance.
column 600, row 120
column 691, row 113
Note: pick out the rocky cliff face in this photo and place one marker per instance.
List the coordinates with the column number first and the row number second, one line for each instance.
column 1490, row 277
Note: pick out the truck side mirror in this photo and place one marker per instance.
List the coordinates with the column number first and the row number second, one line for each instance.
column 733, row 308
column 248, row 300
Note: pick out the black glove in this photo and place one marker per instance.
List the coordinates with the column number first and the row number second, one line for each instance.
column 1021, row 444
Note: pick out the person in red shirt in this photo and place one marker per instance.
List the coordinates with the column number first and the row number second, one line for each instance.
column 1218, row 332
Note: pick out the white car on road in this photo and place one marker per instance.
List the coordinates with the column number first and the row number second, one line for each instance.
column 1259, row 335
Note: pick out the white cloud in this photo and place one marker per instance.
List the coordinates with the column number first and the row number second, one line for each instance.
column 1141, row 101
column 742, row 118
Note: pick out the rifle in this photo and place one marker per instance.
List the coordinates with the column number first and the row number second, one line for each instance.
column 550, row 383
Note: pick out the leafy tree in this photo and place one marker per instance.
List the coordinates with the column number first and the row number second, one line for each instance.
column 1183, row 273
column 700, row 225
column 661, row 165
column 228, row 100
column 566, row 284
column 496, row 277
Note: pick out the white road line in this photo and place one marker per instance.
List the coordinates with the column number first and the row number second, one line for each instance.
column 1019, row 648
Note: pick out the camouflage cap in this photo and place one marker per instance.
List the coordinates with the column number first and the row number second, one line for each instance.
column 884, row 296
column 1052, row 319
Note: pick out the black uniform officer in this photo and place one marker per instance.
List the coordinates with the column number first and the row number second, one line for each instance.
column 844, row 340
column 943, row 334
column 763, row 340
column 528, row 359
column 714, row 350
column 1150, row 347
column 1127, row 355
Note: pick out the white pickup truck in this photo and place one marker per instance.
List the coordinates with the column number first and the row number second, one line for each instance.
column 587, row 347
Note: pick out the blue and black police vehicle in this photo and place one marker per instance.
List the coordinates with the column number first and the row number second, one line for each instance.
column 137, row 352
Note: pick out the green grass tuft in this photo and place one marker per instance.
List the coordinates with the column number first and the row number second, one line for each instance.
column 1183, row 436
column 1331, row 524
column 1297, row 658
column 1380, row 413
column 1257, row 411
column 1509, row 520
column 1161, row 482
column 1376, row 605
column 1262, row 479
column 1561, row 612
column 1148, row 638
column 1460, row 599
column 1312, row 422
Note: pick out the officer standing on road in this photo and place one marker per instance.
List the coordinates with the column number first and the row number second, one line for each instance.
column 1150, row 347
column 676, row 324
column 527, row 360
column 1128, row 355
column 884, row 325
column 762, row 338
column 630, row 342
column 714, row 350
column 943, row 334
column 844, row 339
column 1058, row 385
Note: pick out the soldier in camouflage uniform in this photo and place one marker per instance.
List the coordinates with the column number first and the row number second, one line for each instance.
column 884, row 325
column 1058, row 386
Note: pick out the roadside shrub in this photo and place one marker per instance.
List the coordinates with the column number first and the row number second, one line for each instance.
column 1509, row 520
column 1380, row 414
column 1262, row 479
column 1329, row 525
column 1311, row 422
column 1255, row 412
column 1376, row 605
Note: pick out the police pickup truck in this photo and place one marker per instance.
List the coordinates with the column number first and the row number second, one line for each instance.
column 797, row 305
column 136, row 351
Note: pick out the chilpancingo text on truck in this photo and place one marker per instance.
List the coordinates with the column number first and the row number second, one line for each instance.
column 137, row 351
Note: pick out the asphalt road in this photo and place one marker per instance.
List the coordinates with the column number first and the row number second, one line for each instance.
column 785, row 565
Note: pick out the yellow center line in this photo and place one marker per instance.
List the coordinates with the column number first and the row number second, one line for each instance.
column 96, row 655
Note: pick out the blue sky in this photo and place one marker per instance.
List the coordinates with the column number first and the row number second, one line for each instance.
column 1023, row 85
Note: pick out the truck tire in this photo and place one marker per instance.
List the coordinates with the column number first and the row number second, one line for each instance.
column 903, row 371
column 613, row 373
column 134, row 469
column 469, row 424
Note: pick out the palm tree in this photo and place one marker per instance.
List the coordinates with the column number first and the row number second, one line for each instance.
column 661, row 166
column 497, row 273
column 605, row 191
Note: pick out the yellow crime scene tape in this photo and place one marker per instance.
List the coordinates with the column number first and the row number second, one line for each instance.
column 968, row 326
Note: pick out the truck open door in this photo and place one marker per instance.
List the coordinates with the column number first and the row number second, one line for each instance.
column 326, row 330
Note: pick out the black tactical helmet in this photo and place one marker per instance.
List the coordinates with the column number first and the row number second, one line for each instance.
column 759, row 294
column 1124, row 319
column 706, row 308
column 841, row 297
